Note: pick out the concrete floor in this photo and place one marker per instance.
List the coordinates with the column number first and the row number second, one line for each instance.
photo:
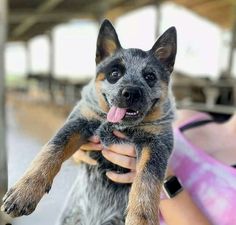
column 22, row 149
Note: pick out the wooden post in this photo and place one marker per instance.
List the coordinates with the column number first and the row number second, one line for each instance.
column 158, row 19
column 28, row 59
column 229, row 73
column 3, row 151
column 51, row 65
column 232, row 47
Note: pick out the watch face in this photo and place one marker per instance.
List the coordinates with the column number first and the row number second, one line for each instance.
column 172, row 186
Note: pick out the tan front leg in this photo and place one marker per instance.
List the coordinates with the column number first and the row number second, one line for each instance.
column 144, row 195
column 24, row 196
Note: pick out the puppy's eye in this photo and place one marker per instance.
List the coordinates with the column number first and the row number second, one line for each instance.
column 150, row 78
column 114, row 75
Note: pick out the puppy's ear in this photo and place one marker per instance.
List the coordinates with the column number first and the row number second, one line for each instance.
column 107, row 42
column 165, row 48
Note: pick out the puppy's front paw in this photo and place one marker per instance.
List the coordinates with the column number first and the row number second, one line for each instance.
column 23, row 198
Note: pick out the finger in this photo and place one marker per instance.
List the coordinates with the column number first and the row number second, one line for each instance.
column 84, row 157
column 119, row 134
column 95, row 139
column 121, row 178
column 123, row 149
column 91, row 147
column 120, row 160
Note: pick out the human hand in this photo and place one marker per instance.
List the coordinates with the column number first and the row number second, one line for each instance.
column 93, row 144
column 123, row 155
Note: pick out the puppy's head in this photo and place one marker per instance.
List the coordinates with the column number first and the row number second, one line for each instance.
column 132, row 84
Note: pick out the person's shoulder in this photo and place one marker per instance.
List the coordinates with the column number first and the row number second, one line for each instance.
column 185, row 115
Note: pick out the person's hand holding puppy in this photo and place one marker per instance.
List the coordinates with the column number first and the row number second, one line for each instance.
column 122, row 155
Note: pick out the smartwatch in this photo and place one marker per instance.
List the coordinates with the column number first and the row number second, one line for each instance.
column 171, row 187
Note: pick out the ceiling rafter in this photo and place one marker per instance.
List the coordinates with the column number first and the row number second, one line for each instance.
column 54, row 16
column 30, row 21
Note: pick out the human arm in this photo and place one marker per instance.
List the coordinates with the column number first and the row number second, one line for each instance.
column 181, row 209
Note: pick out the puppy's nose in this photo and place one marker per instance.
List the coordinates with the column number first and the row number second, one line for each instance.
column 131, row 94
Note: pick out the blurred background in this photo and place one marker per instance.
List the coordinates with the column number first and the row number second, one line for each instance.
column 47, row 54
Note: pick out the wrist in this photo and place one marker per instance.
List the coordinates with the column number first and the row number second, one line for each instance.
column 169, row 172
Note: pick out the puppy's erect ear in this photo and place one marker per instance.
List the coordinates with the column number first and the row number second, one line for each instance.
column 107, row 42
column 165, row 48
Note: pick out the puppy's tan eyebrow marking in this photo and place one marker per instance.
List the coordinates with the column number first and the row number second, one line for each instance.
column 100, row 76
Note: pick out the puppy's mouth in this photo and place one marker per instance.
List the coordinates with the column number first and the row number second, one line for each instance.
column 116, row 114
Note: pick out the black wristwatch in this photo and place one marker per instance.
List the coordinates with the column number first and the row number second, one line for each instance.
column 171, row 187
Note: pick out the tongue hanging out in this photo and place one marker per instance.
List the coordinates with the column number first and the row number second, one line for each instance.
column 115, row 114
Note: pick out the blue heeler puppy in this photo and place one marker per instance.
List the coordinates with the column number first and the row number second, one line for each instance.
column 130, row 93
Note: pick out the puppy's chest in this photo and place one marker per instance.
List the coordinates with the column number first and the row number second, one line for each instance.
column 105, row 132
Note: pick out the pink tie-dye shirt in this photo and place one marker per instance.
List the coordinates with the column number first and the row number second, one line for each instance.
column 211, row 184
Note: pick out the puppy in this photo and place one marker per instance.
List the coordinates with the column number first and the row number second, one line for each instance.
column 130, row 93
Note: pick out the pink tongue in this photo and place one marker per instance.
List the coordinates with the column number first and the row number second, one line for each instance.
column 115, row 114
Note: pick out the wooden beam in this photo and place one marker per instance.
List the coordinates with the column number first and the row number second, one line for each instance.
column 222, row 109
column 209, row 9
column 30, row 21
column 18, row 17
column 233, row 2
column 209, row 6
column 3, row 151
column 126, row 7
column 221, row 16
column 38, row 15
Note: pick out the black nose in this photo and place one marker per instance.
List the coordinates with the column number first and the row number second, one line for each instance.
column 132, row 94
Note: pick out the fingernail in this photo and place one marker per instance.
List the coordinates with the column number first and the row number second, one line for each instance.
column 100, row 146
column 105, row 151
column 108, row 173
column 2, row 208
column 96, row 139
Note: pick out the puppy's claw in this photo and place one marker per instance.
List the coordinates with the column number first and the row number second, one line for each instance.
column 7, row 195
column 23, row 198
column 48, row 188
column 11, row 208
column 2, row 208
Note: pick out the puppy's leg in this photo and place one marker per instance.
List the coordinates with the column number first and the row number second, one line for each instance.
column 24, row 196
column 144, row 198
